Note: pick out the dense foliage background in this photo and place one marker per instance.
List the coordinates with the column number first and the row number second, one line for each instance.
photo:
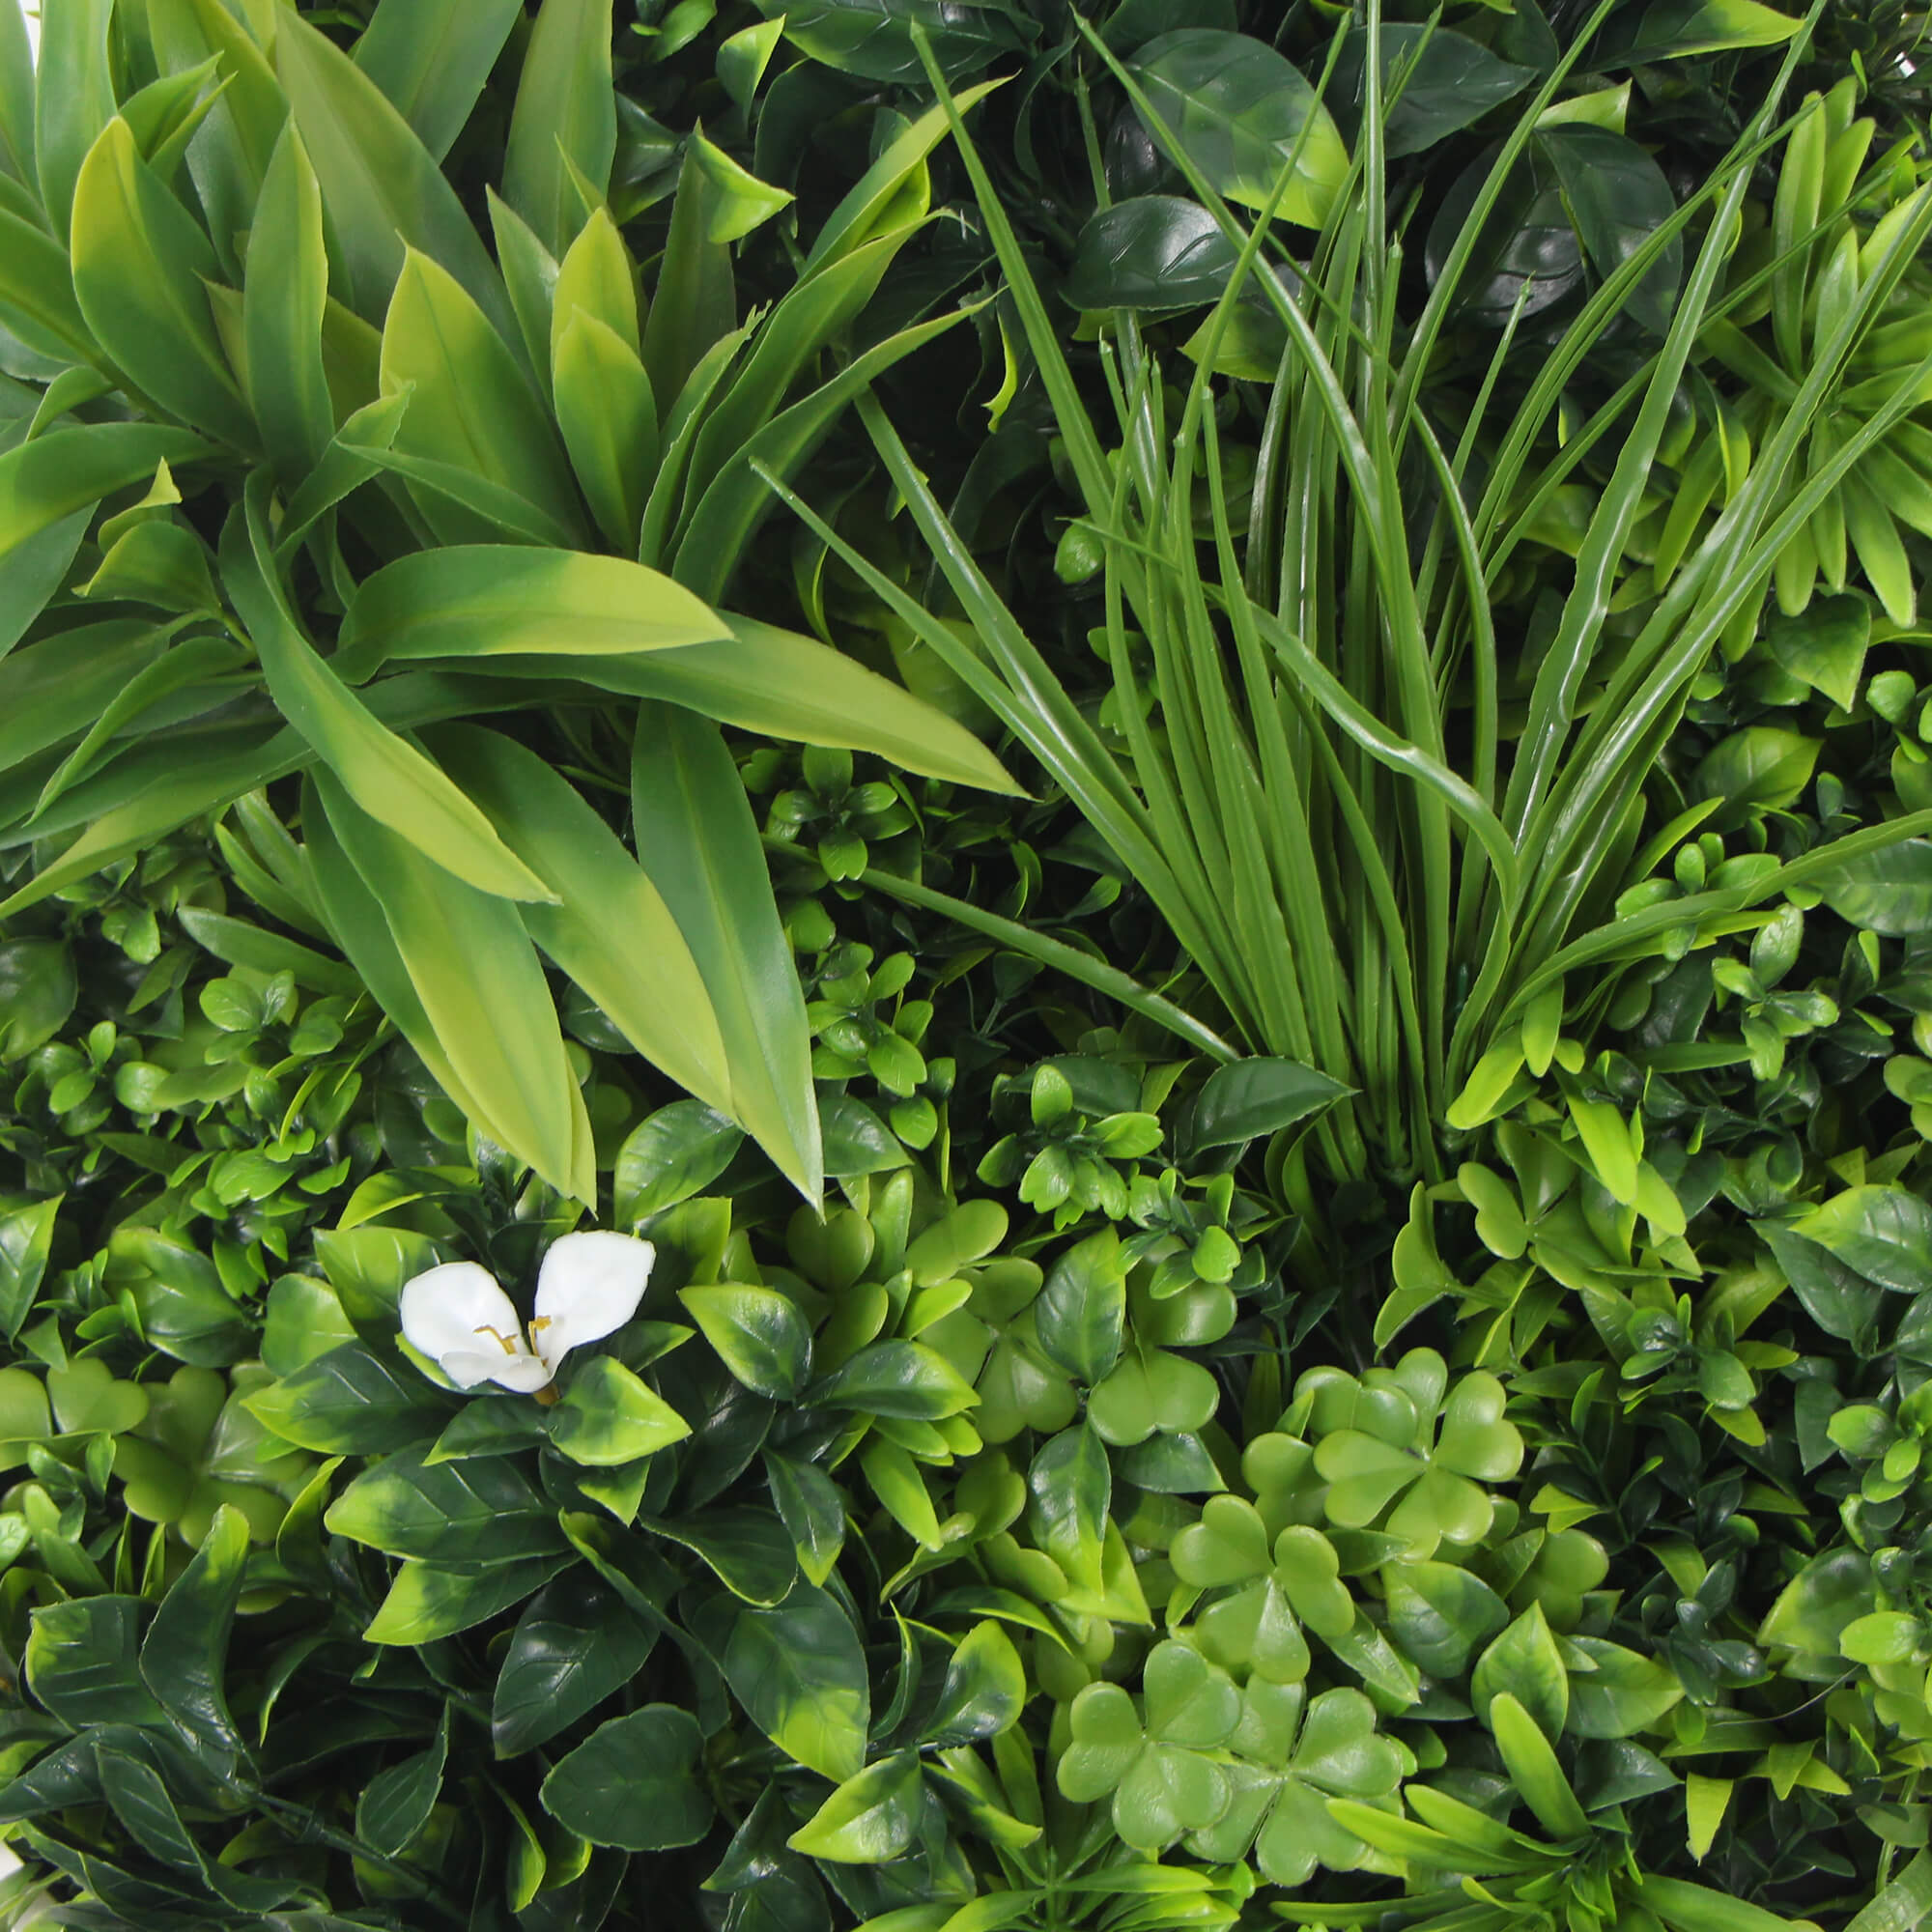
column 1189, row 741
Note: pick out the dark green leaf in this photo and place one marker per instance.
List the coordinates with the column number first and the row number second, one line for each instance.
column 1260, row 1096
column 352, row 1402
column 576, row 1643
column 633, row 1782
column 799, row 1670
column 481, row 1510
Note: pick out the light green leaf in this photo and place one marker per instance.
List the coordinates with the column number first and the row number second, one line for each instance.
column 611, row 930
column 486, row 599
column 384, row 776
column 799, row 1670
column 1240, row 111
column 697, row 840
column 610, row 1416
column 74, row 99
column 565, row 117
column 473, row 408
column 283, row 301
column 472, row 985
column 141, row 266
column 870, row 1818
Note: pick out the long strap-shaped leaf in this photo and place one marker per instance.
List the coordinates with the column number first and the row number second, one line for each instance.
column 455, row 971
column 611, row 931
column 1034, row 944
column 389, row 780
column 697, row 840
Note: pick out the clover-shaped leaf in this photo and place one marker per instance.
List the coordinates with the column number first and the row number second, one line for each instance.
column 1161, row 1784
column 87, row 1400
column 1280, row 1470
column 1296, row 1754
column 1432, row 1495
column 199, row 1447
column 1020, row 1388
column 1229, row 1545
column 1150, row 1390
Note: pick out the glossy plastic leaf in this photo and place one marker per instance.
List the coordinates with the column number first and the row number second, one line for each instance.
column 565, row 118
column 610, row 1417
column 799, row 1670
column 576, row 1643
column 1617, row 197
column 1155, row 251
column 427, row 1601
column 1260, row 1096
column 351, row 1401
column 1241, row 112
column 482, row 1510
column 432, row 59
column 485, row 600
column 869, row 1819
column 229, row 157
column 26, row 1239
column 74, row 99
column 184, row 1656
column 1081, row 1312
column 761, row 1335
column 1435, row 81
column 697, row 840
column 398, row 1801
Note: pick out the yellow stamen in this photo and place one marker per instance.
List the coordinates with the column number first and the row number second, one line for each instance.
column 509, row 1342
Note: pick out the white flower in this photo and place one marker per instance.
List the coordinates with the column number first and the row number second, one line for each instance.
column 589, row 1284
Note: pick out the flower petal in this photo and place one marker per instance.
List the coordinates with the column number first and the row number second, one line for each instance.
column 589, row 1284
column 455, row 1310
column 522, row 1372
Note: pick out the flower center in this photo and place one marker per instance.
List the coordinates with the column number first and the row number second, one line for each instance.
column 510, row 1343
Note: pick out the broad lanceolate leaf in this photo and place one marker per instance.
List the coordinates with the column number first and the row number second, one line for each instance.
column 382, row 188
column 481, row 1510
column 26, row 1237
column 1240, row 111
column 47, row 480
column 696, row 838
column 1884, row 1234
column 283, row 302
column 473, row 409
column 184, row 1654
column 611, row 930
column 472, row 985
column 784, row 685
column 1081, row 1311
column 141, row 267
column 1437, row 81
column 1155, row 251
column 486, row 599
column 228, row 157
column 432, row 59
column 74, row 99
column 384, row 776
column 799, row 1670
column 1888, row 891
column 565, row 118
